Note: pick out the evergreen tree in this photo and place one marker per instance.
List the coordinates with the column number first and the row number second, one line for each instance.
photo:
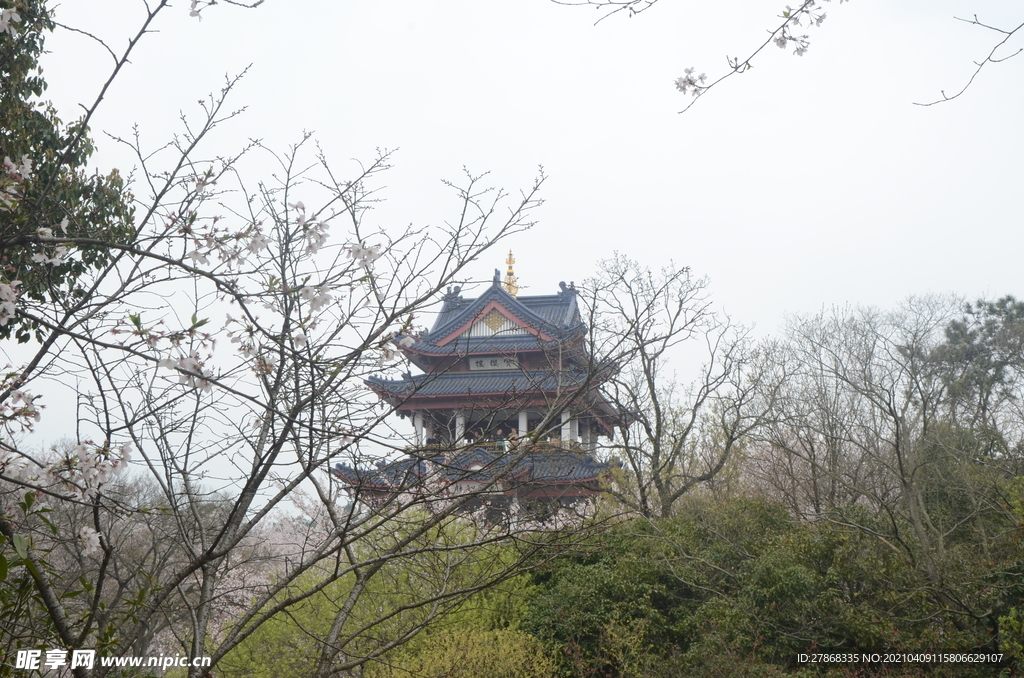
column 46, row 190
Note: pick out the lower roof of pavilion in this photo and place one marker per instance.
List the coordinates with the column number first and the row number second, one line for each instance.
column 454, row 389
column 553, row 467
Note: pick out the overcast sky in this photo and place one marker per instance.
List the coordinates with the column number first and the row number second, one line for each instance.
column 807, row 182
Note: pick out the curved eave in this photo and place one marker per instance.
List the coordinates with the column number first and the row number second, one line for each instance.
column 362, row 484
column 473, row 310
column 462, row 346
column 570, row 482
column 532, row 324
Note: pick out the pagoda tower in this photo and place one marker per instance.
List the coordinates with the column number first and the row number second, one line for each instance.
column 507, row 392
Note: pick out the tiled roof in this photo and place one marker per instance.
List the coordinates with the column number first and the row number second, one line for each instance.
column 555, row 315
column 402, row 473
column 465, row 345
column 557, row 309
column 558, row 466
column 464, row 383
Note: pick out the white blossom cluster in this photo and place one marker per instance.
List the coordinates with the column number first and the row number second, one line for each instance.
column 316, row 296
column 8, row 17
column 90, row 539
column 314, row 232
column 19, row 403
column 13, row 175
column 52, row 256
column 243, row 337
column 8, row 300
column 692, row 84
column 303, row 228
column 565, row 518
column 19, row 412
column 85, row 467
column 232, row 249
column 311, row 234
column 364, row 256
column 795, row 17
column 809, row 13
column 190, row 371
column 265, row 365
column 390, row 351
column 11, row 179
column 516, row 520
column 77, row 471
column 197, row 6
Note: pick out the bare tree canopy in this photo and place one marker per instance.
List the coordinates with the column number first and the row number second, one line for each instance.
column 216, row 328
column 680, row 435
column 885, row 427
column 789, row 33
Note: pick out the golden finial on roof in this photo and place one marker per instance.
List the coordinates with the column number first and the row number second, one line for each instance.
column 511, row 284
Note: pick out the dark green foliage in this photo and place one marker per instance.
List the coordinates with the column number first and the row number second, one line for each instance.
column 22, row 615
column 737, row 588
column 983, row 351
column 59, row 189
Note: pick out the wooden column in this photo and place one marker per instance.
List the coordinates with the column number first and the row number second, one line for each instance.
column 417, row 425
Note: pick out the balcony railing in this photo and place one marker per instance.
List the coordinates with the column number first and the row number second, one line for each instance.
column 554, row 445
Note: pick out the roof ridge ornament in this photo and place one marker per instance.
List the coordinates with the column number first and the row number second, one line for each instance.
column 511, row 284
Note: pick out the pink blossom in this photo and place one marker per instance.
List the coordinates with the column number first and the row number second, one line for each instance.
column 90, row 539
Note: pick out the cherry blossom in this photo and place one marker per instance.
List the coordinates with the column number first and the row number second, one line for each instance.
column 690, row 83
column 10, row 182
column 9, row 195
column 794, row 17
column 8, row 17
column 12, row 465
column 56, row 259
column 317, row 297
column 388, row 353
column 363, row 255
column 19, row 412
column 198, row 257
column 315, row 236
column 8, row 300
column 90, row 539
column 808, row 13
column 83, row 468
column 246, row 347
column 186, row 364
column 25, row 169
column 265, row 366
column 22, row 171
column 257, row 243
